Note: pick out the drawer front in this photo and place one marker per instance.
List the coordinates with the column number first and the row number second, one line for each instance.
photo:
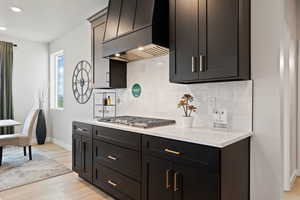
column 207, row 157
column 82, row 129
column 126, row 161
column 118, row 137
column 116, row 184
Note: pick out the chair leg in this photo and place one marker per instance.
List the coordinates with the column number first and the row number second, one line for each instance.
column 1, row 155
column 24, row 149
column 30, row 155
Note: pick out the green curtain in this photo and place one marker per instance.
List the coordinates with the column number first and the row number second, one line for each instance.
column 6, row 99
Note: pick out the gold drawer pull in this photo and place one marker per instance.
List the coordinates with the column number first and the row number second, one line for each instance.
column 111, row 157
column 171, row 151
column 112, row 183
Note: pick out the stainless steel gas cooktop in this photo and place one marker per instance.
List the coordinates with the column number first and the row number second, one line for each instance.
column 142, row 122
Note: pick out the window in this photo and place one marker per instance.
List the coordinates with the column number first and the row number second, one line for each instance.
column 57, row 80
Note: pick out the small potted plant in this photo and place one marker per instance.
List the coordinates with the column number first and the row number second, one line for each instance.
column 188, row 109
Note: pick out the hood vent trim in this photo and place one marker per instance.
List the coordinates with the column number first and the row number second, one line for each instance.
column 140, row 53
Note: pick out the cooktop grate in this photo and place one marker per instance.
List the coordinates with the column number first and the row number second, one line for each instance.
column 142, row 122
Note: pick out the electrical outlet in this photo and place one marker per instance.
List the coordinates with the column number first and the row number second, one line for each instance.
column 223, row 116
column 220, row 118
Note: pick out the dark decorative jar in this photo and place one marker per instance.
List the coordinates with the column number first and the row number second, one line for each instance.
column 41, row 129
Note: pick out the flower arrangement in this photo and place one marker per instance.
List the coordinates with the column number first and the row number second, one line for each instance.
column 41, row 97
column 184, row 103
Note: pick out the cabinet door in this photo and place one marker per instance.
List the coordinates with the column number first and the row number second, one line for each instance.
column 100, row 64
column 157, row 179
column 192, row 182
column 87, row 154
column 76, row 153
column 184, row 32
column 221, row 58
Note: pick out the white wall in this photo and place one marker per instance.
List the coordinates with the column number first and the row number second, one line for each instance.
column 266, row 173
column 77, row 46
column 29, row 74
column 274, row 75
column 289, row 76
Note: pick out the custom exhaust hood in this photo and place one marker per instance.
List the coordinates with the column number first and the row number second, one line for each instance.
column 136, row 29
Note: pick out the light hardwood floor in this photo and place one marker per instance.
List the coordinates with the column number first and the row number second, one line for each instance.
column 66, row 187
column 294, row 194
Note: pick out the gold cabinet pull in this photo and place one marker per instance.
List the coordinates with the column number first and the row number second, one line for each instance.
column 176, row 188
column 168, row 185
column 111, row 157
column 112, row 183
column 171, row 151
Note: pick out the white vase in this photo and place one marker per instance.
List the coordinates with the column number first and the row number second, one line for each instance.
column 187, row 122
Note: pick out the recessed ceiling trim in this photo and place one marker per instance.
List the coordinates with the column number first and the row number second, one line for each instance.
column 16, row 9
column 2, row 28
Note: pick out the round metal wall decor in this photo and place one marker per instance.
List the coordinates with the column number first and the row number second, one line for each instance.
column 82, row 82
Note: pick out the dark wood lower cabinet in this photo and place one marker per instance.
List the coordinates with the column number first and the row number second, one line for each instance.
column 190, row 183
column 114, row 183
column 76, row 153
column 132, row 166
column 166, row 180
column 87, row 158
column 157, row 179
column 82, row 151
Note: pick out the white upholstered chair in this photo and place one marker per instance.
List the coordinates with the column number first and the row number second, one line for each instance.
column 23, row 139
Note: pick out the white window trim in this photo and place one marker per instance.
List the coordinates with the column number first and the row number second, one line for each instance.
column 53, row 78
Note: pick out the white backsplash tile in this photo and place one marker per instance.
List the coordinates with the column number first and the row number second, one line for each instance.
column 159, row 97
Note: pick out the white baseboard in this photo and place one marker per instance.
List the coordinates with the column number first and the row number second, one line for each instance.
column 62, row 144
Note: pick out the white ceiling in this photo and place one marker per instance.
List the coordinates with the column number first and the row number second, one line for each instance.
column 45, row 20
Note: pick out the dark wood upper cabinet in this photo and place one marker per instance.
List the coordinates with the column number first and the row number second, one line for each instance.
column 113, row 18
column 127, row 17
column 222, row 40
column 101, row 65
column 106, row 73
column 210, row 40
column 144, row 13
column 186, row 37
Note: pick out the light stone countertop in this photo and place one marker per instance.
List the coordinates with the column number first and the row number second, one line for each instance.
column 214, row 138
